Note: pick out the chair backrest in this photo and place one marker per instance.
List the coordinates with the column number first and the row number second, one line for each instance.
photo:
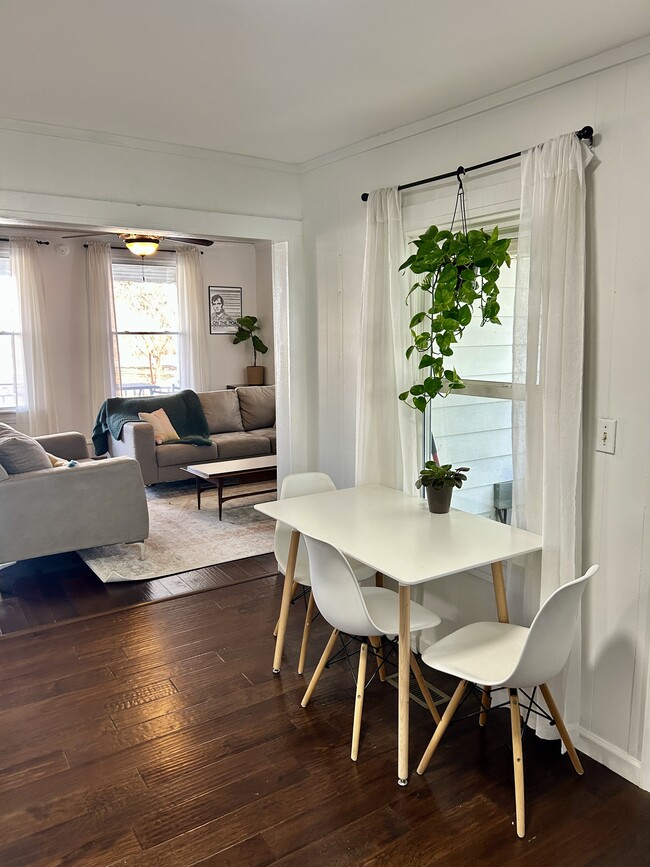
column 550, row 637
column 297, row 485
column 336, row 590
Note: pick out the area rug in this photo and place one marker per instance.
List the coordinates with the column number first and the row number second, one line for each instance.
column 182, row 538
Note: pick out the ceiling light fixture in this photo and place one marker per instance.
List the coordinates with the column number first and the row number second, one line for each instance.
column 141, row 245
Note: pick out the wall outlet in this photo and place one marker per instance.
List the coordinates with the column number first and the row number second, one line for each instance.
column 606, row 436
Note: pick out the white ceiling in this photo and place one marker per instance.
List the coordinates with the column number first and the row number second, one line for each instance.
column 284, row 79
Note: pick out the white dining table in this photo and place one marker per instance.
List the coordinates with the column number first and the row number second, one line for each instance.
column 397, row 536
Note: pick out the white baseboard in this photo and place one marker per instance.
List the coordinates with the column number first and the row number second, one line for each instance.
column 609, row 755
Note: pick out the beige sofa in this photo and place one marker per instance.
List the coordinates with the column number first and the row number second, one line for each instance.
column 241, row 422
column 49, row 511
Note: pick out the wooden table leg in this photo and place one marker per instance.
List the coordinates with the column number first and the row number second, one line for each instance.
column 286, row 600
column 500, row 592
column 198, row 493
column 220, row 492
column 403, row 685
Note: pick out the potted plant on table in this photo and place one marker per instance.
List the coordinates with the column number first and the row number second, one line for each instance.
column 246, row 328
column 439, row 483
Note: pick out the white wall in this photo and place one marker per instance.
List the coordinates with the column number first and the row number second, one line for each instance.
column 615, row 101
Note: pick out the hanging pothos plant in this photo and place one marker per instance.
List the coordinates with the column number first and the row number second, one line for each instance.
column 459, row 269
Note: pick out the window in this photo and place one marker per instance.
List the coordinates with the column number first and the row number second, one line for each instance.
column 10, row 339
column 473, row 427
column 146, row 327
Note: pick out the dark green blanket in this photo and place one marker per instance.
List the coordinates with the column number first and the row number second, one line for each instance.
column 183, row 408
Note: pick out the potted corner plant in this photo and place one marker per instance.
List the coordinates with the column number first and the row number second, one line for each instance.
column 439, row 483
column 246, row 328
column 455, row 271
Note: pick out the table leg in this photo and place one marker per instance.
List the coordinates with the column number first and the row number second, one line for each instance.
column 500, row 592
column 198, row 493
column 403, row 685
column 286, row 600
column 220, row 493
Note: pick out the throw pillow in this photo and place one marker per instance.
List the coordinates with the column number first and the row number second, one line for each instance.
column 20, row 453
column 163, row 429
column 3, row 474
column 57, row 462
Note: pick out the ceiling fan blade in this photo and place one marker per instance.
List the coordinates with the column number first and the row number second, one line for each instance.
column 202, row 241
column 89, row 235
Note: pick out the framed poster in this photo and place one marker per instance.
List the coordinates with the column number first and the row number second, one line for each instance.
column 224, row 307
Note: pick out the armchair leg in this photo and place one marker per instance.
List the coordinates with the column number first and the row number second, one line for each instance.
column 518, row 763
column 358, row 704
column 141, row 550
column 305, row 633
column 415, row 668
column 320, row 667
column 562, row 729
column 442, row 726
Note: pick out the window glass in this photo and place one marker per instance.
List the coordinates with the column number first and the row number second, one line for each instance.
column 10, row 348
column 146, row 328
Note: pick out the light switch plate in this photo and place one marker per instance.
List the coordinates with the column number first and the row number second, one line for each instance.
column 606, row 436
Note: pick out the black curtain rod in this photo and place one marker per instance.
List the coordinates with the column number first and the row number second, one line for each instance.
column 46, row 243
column 586, row 133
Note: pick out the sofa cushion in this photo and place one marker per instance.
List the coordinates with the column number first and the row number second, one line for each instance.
column 257, row 405
column 240, row 445
column 177, row 454
column 20, row 453
column 221, row 410
column 269, row 433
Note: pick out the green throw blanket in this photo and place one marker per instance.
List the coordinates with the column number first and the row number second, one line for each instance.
column 183, row 408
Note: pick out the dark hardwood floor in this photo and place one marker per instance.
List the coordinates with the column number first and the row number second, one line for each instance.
column 157, row 735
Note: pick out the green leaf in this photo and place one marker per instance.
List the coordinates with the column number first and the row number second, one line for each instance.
column 259, row 345
column 420, row 403
column 417, row 389
column 419, row 317
column 425, row 361
column 409, row 351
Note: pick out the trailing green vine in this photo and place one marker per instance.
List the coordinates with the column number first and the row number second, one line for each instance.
column 459, row 269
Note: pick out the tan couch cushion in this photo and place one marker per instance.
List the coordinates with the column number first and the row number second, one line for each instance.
column 221, row 409
column 257, row 405
column 240, row 445
column 163, row 429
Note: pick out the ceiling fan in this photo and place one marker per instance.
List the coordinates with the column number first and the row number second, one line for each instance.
column 144, row 244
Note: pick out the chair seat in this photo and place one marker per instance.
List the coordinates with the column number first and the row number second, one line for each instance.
column 485, row 653
column 383, row 608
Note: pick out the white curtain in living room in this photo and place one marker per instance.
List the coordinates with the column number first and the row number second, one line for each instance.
column 194, row 358
column 36, row 405
column 388, row 433
column 104, row 367
column 548, row 382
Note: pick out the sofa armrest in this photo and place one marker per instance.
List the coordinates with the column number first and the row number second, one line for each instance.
column 71, row 445
column 70, row 508
column 137, row 441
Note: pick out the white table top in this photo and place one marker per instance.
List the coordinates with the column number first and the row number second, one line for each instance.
column 227, row 468
column 395, row 533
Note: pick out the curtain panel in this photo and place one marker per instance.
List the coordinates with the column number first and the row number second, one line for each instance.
column 388, row 433
column 36, row 405
column 104, row 363
column 548, row 381
column 194, row 356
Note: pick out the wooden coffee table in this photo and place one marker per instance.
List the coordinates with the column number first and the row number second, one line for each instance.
column 250, row 470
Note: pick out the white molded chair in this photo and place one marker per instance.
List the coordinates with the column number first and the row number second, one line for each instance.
column 360, row 612
column 299, row 485
column 515, row 657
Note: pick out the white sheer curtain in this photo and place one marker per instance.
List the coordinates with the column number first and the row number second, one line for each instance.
column 104, row 367
column 36, row 409
column 388, row 432
column 548, row 372
column 194, row 358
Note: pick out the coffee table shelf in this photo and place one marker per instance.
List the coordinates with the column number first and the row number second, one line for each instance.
column 213, row 475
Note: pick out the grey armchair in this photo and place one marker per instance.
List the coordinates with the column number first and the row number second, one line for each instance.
column 71, row 508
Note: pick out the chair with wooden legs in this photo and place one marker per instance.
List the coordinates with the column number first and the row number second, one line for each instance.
column 299, row 485
column 362, row 613
column 503, row 655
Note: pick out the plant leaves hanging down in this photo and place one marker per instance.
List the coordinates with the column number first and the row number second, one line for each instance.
column 459, row 270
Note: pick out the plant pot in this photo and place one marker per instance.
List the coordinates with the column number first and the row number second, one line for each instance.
column 439, row 500
column 255, row 375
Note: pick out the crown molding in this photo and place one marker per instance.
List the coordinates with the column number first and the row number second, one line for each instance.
column 108, row 139
column 581, row 69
